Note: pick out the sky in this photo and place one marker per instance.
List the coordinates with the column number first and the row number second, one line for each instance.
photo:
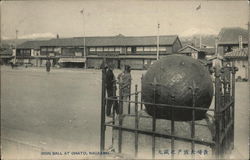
column 112, row 17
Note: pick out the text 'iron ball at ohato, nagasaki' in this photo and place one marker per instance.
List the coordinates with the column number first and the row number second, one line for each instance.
column 172, row 79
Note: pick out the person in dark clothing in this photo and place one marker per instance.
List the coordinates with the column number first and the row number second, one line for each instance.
column 111, row 91
column 48, row 65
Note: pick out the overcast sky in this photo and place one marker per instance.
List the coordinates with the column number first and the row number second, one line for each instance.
column 112, row 17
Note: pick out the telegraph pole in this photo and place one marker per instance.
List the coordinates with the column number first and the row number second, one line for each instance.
column 158, row 40
column 248, row 42
column 84, row 43
column 16, row 46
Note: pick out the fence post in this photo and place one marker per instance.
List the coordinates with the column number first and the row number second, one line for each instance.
column 136, row 121
column 141, row 92
column 103, row 97
column 217, row 112
column 234, row 70
column 194, row 94
column 172, row 97
column 120, row 119
column 154, row 123
column 129, row 99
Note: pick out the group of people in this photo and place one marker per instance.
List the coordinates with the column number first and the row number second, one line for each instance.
column 124, row 82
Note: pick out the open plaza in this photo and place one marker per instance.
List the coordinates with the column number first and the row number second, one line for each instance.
column 60, row 112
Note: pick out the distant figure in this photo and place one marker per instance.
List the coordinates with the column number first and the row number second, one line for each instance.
column 111, row 91
column 125, row 85
column 48, row 65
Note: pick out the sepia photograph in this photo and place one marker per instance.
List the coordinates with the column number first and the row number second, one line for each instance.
column 116, row 79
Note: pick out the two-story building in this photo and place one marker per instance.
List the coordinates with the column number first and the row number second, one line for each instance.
column 230, row 39
column 138, row 52
column 6, row 54
column 240, row 58
column 29, row 52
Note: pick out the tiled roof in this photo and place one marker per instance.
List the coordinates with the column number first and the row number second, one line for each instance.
column 239, row 53
column 207, row 51
column 6, row 52
column 31, row 44
column 231, row 35
column 102, row 41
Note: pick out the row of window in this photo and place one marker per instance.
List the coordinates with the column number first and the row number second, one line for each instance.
column 25, row 51
column 101, row 49
column 50, row 49
column 128, row 49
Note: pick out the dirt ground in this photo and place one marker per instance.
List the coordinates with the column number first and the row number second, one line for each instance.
column 59, row 112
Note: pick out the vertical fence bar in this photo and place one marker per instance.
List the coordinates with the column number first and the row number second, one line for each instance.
column 120, row 119
column 227, row 100
column 172, row 127
column 129, row 99
column 114, row 109
column 141, row 92
column 217, row 112
column 230, row 109
column 136, row 121
column 222, row 106
column 193, row 119
column 102, row 136
column 153, row 124
column 234, row 69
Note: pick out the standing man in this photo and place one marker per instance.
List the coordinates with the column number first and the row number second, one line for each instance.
column 48, row 65
column 111, row 90
column 125, row 86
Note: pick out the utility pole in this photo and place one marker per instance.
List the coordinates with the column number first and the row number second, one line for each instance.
column 249, row 46
column 16, row 46
column 158, row 40
column 84, row 42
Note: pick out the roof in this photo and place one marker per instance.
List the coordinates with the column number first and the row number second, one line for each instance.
column 231, row 35
column 207, row 51
column 103, row 41
column 238, row 53
column 31, row 44
column 6, row 52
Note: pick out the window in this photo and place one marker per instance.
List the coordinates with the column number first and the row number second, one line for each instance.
column 129, row 49
column 43, row 49
column 78, row 54
column 153, row 49
column 50, row 49
column 139, row 48
column 147, row 48
column 112, row 49
column 58, row 50
column 133, row 49
column 162, row 49
column 99, row 49
column 105, row 49
column 118, row 49
column 92, row 49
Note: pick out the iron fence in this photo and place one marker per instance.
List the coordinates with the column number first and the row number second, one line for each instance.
column 223, row 115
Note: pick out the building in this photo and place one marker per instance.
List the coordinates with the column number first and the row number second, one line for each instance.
column 138, row 52
column 29, row 53
column 202, row 54
column 231, row 38
column 5, row 55
column 240, row 58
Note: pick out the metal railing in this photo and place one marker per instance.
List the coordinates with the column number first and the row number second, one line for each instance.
column 223, row 116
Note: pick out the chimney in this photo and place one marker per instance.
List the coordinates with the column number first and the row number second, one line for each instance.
column 240, row 42
column 57, row 36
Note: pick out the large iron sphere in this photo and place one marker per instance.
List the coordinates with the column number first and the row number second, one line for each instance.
column 173, row 80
